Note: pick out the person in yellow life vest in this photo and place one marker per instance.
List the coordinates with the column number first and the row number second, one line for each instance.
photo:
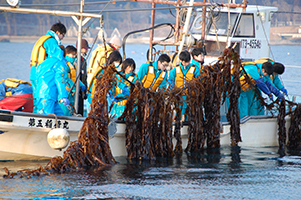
column 16, row 95
column 183, row 73
column 100, row 55
column 70, row 77
column 114, row 58
column 47, row 46
column 154, row 74
column 259, row 74
column 121, row 91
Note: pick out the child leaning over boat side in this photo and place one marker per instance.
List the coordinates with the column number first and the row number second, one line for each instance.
column 122, row 89
column 153, row 74
column 114, row 58
column 181, row 74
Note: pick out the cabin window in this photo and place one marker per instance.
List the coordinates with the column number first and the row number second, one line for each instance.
column 245, row 27
column 220, row 24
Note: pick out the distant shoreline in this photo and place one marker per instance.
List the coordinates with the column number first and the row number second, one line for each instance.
column 72, row 40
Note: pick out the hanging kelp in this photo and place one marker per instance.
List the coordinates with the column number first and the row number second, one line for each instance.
column 92, row 147
column 294, row 134
column 231, row 90
column 281, row 125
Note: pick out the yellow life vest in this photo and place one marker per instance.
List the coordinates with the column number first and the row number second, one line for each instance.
column 181, row 78
column 93, row 82
column 245, row 86
column 72, row 73
column 13, row 83
column 38, row 53
column 118, row 90
column 99, row 57
column 149, row 79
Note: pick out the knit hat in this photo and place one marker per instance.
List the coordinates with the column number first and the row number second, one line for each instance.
column 116, row 40
column 85, row 44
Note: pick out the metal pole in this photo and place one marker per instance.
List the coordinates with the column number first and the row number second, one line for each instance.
column 203, row 21
column 151, row 36
column 79, row 47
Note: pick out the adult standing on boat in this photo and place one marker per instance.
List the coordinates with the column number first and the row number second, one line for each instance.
column 259, row 75
column 153, row 74
column 47, row 46
column 16, row 94
column 183, row 73
column 127, row 70
column 114, row 58
column 100, row 55
column 83, row 75
column 198, row 58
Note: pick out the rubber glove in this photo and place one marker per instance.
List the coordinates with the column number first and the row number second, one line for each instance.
column 274, row 90
column 65, row 101
column 262, row 86
column 82, row 88
column 125, row 91
column 284, row 91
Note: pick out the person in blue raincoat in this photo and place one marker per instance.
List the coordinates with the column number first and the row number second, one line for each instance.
column 259, row 74
column 47, row 46
column 70, row 77
column 51, row 84
column 123, row 87
column 278, row 70
column 183, row 73
column 114, row 58
column 153, row 74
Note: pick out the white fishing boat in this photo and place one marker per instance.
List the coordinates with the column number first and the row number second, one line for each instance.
column 23, row 136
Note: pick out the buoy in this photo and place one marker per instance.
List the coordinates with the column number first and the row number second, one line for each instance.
column 58, row 138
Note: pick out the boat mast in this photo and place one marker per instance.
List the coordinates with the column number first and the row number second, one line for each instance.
column 79, row 59
column 151, row 35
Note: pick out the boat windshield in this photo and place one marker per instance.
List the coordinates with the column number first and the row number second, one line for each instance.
column 219, row 24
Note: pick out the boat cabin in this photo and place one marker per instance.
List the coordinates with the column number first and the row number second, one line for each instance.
column 249, row 31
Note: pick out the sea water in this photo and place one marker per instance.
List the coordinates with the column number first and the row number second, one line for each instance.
column 227, row 173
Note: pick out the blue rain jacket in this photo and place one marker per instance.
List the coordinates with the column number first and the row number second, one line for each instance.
column 51, row 85
column 117, row 110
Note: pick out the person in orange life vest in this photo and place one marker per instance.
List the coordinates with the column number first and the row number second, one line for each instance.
column 83, row 75
column 248, row 104
column 16, row 95
column 114, row 58
column 123, row 87
column 154, row 74
column 198, row 58
column 50, row 48
column 70, row 77
column 100, row 55
column 183, row 73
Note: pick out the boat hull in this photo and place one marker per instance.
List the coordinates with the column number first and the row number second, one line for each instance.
column 23, row 136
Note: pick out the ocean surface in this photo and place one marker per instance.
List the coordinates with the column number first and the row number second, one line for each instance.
column 230, row 173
